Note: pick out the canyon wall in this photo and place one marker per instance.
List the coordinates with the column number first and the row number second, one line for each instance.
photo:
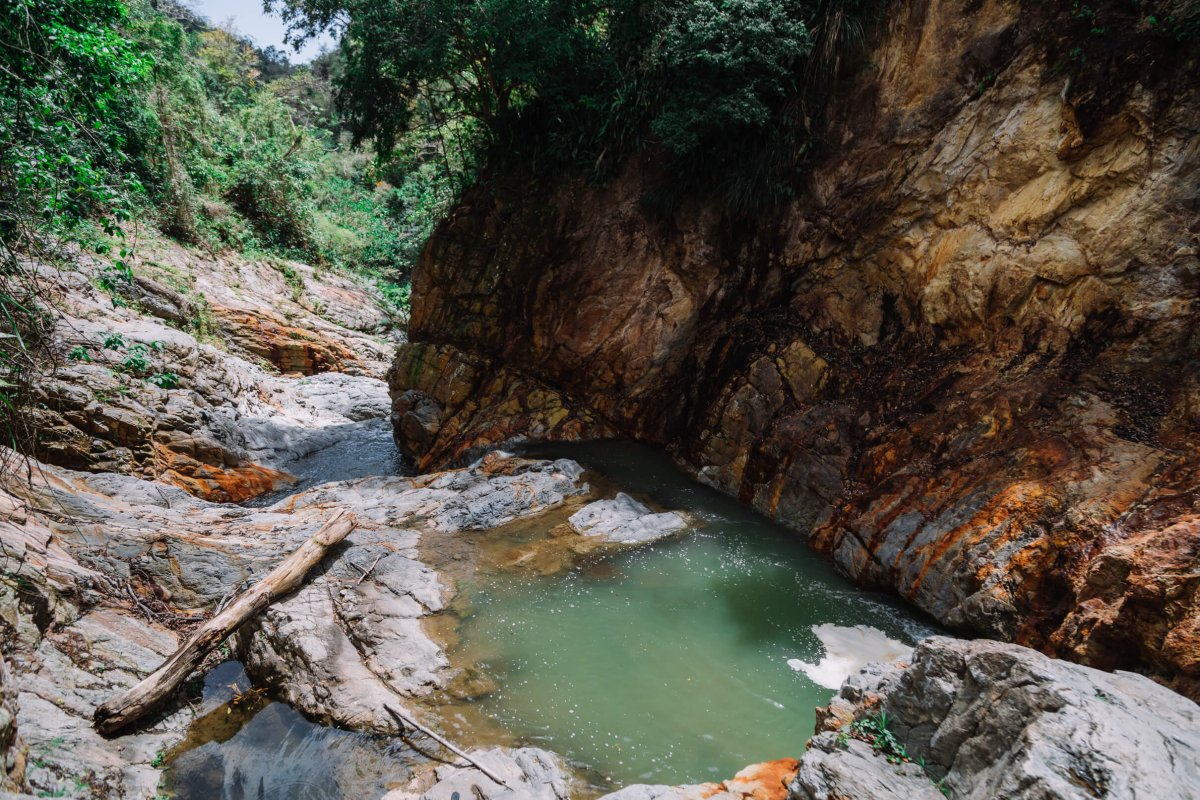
column 963, row 363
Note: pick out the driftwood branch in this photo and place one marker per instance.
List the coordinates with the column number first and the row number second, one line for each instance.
column 136, row 702
column 403, row 720
column 367, row 571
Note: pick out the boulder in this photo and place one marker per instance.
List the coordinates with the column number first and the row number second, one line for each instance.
column 623, row 520
column 986, row 719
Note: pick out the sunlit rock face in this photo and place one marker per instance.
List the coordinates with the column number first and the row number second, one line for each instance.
column 962, row 362
column 982, row 719
column 12, row 746
column 237, row 409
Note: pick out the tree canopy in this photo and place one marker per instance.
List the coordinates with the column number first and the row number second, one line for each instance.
column 583, row 80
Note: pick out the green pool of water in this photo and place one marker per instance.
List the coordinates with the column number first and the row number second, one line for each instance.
column 668, row 664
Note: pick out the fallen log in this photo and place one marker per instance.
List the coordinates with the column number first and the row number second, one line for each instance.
column 403, row 720
column 136, row 702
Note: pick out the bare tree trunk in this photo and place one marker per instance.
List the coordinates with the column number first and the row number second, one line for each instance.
column 136, row 702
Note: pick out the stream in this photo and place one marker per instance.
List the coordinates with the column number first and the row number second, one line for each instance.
column 678, row 662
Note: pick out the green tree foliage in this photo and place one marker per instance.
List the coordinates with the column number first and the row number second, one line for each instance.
column 727, row 66
column 714, row 83
column 113, row 114
column 66, row 78
column 480, row 59
column 237, row 148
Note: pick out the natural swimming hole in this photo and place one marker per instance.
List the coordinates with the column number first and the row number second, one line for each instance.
column 677, row 662
column 670, row 663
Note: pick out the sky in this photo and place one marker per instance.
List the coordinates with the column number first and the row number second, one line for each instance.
column 265, row 29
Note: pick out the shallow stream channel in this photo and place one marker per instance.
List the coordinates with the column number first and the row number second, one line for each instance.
column 681, row 661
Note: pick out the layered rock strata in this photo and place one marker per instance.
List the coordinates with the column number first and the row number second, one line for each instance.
column 961, row 363
column 980, row 720
column 12, row 747
column 226, row 347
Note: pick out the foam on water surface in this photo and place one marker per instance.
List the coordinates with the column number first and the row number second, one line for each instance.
column 847, row 650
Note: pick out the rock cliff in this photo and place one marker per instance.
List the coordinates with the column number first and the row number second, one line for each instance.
column 962, row 362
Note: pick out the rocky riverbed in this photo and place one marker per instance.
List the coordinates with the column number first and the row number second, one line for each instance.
column 126, row 534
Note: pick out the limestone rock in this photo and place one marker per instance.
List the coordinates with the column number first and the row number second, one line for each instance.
column 223, row 328
column 853, row 771
column 13, row 752
column 642, row 791
column 623, row 520
column 767, row 781
column 75, row 669
column 529, row 774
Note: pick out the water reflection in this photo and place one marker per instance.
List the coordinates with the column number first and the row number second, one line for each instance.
column 244, row 747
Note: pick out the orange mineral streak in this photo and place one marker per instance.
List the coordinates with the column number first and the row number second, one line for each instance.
column 766, row 781
column 291, row 350
column 219, row 484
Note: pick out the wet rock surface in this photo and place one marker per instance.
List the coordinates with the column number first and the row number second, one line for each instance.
column 958, row 362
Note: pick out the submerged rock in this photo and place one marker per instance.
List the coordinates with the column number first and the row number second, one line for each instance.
column 623, row 520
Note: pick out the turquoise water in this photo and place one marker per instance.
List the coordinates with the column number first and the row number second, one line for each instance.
column 668, row 664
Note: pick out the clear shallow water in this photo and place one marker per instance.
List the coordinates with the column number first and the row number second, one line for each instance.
column 250, row 747
column 668, row 664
